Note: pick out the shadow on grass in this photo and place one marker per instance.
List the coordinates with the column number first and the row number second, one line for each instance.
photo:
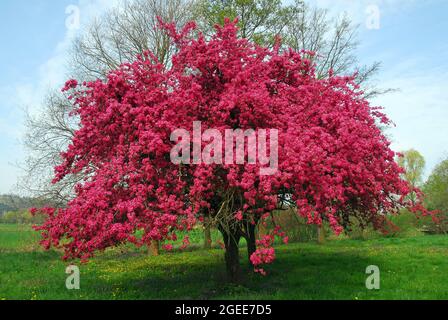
column 298, row 273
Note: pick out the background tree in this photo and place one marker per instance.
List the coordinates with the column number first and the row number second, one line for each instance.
column 123, row 33
column 414, row 164
column 48, row 133
column 123, row 147
column 436, row 192
column 258, row 20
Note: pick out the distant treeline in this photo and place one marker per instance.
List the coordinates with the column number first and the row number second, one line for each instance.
column 10, row 203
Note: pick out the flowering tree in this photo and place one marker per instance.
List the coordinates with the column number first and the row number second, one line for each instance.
column 333, row 161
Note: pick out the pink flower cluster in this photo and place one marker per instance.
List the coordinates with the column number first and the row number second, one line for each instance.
column 262, row 256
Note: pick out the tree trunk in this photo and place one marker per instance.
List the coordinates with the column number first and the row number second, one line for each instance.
column 154, row 248
column 207, row 234
column 251, row 241
column 232, row 258
column 320, row 234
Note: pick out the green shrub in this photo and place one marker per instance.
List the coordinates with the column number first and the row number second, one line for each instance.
column 405, row 224
column 295, row 227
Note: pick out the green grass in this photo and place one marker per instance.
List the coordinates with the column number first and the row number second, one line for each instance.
column 411, row 268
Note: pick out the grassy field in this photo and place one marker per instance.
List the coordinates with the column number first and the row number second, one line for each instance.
column 411, row 268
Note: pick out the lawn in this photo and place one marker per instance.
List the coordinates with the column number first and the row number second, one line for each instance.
column 411, row 268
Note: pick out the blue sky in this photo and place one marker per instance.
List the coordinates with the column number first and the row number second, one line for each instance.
column 411, row 42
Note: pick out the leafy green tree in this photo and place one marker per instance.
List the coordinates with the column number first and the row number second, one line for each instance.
column 436, row 191
column 258, row 20
column 414, row 164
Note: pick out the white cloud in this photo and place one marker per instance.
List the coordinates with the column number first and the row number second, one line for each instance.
column 30, row 94
column 53, row 72
column 358, row 10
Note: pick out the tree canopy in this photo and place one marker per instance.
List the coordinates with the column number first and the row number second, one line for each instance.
column 334, row 162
